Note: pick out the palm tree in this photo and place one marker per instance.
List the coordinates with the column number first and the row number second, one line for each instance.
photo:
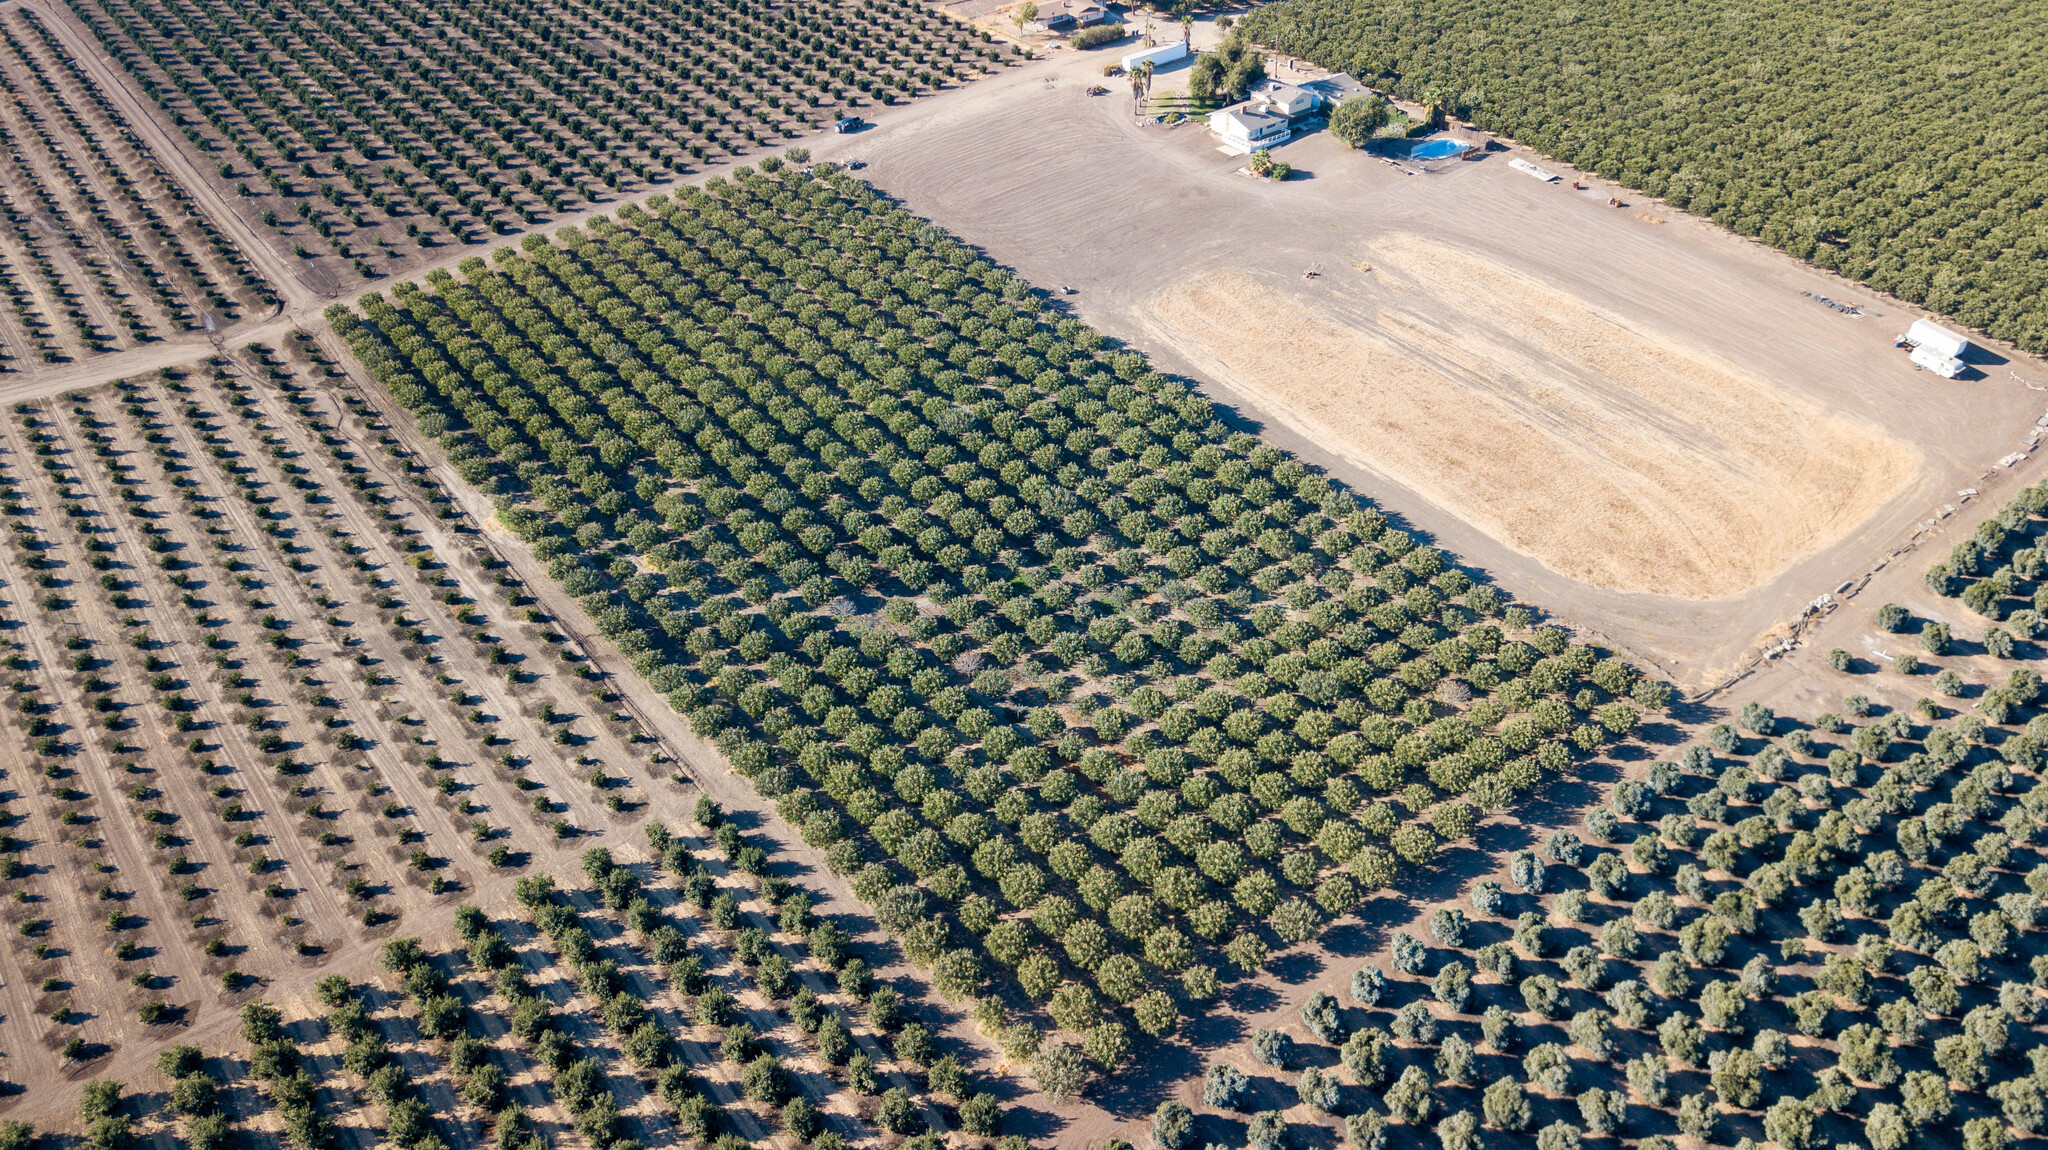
column 1187, row 29
column 1436, row 104
column 1141, row 85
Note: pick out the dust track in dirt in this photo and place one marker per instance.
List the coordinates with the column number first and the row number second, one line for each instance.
column 1605, row 453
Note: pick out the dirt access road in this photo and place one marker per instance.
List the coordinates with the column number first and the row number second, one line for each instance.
column 1629, row 417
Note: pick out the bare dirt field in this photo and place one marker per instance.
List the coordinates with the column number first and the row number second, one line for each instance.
column 1629, row 417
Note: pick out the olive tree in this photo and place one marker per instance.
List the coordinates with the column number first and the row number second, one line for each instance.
column 1505, row 1104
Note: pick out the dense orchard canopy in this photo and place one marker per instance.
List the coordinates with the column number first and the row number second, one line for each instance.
column 1903, row 145
column 1067, row 676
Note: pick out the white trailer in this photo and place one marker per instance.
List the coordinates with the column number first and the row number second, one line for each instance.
column 1937, row 361
column 1941, row 339
column 1157, row 57
column 1544, row 174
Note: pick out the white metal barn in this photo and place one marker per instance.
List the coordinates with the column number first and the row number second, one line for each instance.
column 1936, row 348
column 1157, row 57
column 1941, row 339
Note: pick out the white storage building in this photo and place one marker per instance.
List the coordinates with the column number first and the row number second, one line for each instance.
column 1157, row 57
column 1941, row 339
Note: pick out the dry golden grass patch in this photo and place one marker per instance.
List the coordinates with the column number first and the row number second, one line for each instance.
column 1609, row 454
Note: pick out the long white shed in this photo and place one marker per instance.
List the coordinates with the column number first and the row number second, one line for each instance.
column 1941, row 339
column 1157, row 57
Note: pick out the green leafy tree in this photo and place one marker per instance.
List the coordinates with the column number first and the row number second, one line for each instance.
column 1505, row 1105
column 1790, row 1122
column 1460, row 1131
column 1408, row 1099
column 1229, row 72
column 1925, row 1099
column 1173, row 1126
column 1357, row 120
column 1060, row 1071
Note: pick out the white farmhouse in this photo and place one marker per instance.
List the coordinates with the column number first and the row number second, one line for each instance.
column 1066, row 16
column 1285, row 99
column 1245, row 128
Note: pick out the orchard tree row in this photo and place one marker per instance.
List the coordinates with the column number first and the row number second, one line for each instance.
column 988, row 609
column 113, row 240
column 1807, row 932
column 2000, row 572
column 387, row 128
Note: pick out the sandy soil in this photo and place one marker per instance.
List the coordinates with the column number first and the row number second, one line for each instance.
column 1616, row 458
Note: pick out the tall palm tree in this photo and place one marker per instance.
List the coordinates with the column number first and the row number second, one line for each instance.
column 1187, row 29
column 1436, row 103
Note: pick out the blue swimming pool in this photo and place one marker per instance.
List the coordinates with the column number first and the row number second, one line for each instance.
column 1436, row 149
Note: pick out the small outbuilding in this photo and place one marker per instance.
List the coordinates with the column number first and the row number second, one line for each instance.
column 1937, row 361
column 1936, row 348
